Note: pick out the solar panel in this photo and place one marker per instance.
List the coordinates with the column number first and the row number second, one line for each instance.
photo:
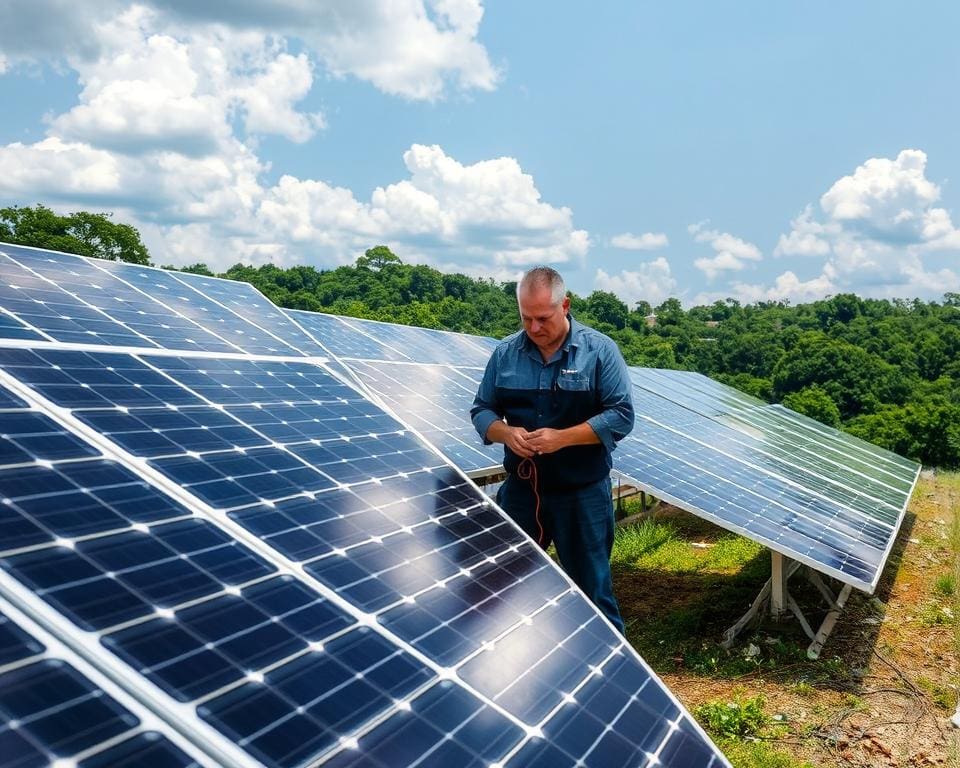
column 754, row 469
column 61, row 297
column 282, row 571
column 703, row 395
column 434, row 400
column 355, row 338
column 344, row 339
column 280, row 335
column 51, row 711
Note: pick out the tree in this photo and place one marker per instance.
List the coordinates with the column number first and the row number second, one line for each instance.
column 377, row 258
column 813, row 401
column 83, row 233
column 607, row 308
column 194, row 269
column 857, row 381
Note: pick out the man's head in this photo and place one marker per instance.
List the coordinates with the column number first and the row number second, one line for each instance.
column 543, row 301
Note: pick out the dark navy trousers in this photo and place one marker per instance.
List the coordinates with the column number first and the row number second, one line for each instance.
column 580, row 523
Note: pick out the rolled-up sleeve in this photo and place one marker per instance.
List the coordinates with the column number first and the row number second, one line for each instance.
column 484, row 411
column 616, row 419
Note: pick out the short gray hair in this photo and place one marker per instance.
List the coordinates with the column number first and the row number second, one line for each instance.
column 543, row 277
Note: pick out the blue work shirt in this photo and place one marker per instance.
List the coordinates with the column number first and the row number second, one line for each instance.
column 586, row 380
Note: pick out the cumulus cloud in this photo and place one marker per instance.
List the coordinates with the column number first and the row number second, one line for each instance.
column 648, row 241
column 732, row 253
column 888, row 199
column 652, row 281
column 878, row 228
column 444, row 211
column 155, row 136
column 806, row 237
column 178, row 90
column 788, row 287
column 407, row 48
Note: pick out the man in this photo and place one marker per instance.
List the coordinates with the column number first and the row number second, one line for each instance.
column 557, row 395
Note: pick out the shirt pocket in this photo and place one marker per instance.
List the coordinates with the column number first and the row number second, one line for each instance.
column 573, row 383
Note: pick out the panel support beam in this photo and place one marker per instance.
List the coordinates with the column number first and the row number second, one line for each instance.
column 775, row 596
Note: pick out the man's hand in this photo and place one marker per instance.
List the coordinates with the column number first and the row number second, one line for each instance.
column 546, row 440
column 515, row 438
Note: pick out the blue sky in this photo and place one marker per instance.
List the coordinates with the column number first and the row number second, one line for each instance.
column 698, row 150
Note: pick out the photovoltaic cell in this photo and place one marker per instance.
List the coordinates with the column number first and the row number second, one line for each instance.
column 703, row 395
column 424, row 345
column 342, row 338
column 356, row 339
column 42, row 305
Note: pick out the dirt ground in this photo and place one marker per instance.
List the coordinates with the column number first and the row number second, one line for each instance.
column 885, row 687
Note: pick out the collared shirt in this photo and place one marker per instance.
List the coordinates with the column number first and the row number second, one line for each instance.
column 586, row 380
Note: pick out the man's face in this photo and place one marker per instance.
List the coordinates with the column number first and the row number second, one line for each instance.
column 544, row 321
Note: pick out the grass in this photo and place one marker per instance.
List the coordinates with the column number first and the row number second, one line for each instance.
column 740, row 717
column 743, row 730
column 758, row 754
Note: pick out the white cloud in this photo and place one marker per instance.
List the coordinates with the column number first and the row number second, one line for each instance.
column 177, row 90
column 154, row 136
column 806, row 237
column 445, row 211
column 403, row 47
column 880, row 225
column 886, row 198
column 648, row 241
column 269, row 96
column 3, row 64
column 652, row 282
column 732, row 253
column 787, row 287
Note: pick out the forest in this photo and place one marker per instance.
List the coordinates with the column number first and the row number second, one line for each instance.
column 887, row 371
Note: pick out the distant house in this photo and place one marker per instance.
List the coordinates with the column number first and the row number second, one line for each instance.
column 711, row 323
column 650, row 320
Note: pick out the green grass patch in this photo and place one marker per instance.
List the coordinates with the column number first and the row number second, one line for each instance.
column 758, row 754
column 731, row 552
column 734, row 719
column 633, row 543
column 934, row 614
column 945, row 585
column 665, row 545
column 943, row 696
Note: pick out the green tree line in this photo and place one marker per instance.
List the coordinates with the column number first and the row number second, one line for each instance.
column 886, row 371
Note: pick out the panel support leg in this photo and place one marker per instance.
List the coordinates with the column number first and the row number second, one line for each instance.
column 778, row 585
column 776, row 594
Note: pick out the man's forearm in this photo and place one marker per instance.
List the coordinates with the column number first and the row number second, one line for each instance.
column 498, row 431
column 580, row 434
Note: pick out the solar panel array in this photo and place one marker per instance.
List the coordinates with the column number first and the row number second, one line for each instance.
column 807, row 491
column 428, row 376
column 810, row 492
column 222, row 529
